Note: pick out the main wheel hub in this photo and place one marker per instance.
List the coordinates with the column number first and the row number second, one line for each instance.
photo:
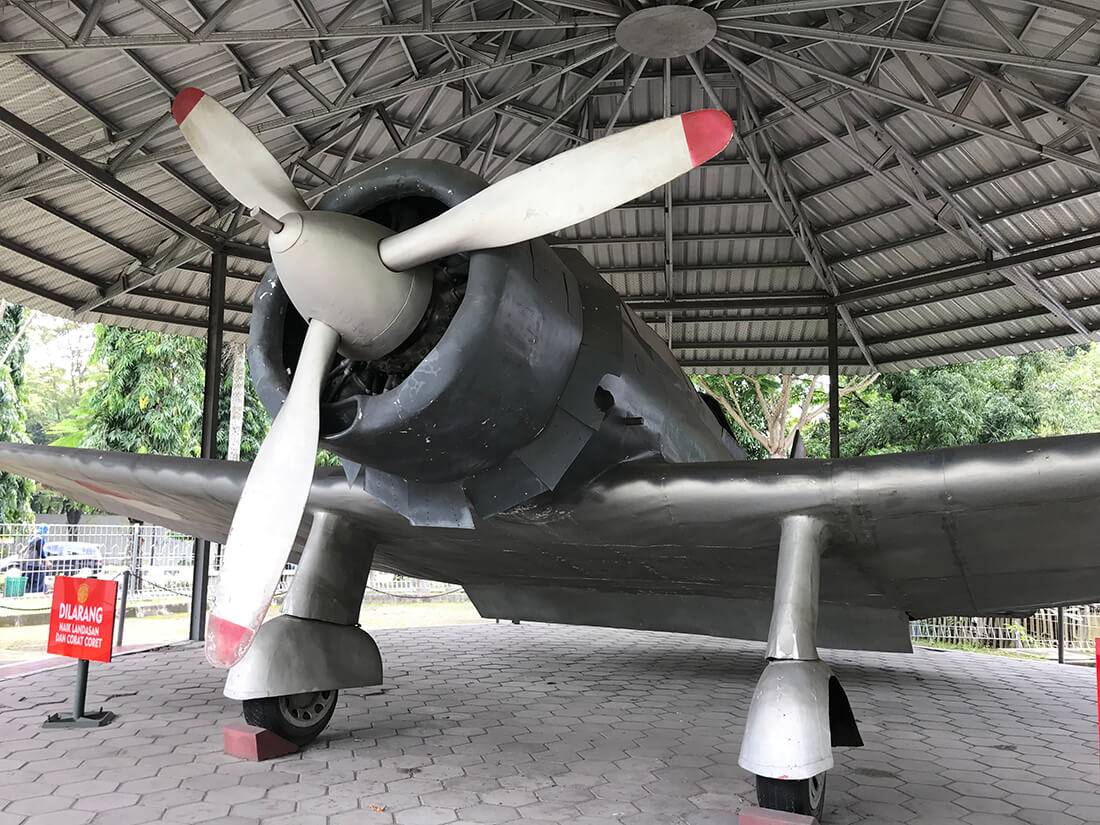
column 305, row 709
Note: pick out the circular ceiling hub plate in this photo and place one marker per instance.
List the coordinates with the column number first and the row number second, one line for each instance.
column 665, row 31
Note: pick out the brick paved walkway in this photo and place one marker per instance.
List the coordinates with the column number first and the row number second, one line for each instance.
column 497, row 724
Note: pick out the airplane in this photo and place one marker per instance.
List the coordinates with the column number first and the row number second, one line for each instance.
column 506, row 424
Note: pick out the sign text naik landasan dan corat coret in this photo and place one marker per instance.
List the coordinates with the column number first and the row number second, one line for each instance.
column 82, row 618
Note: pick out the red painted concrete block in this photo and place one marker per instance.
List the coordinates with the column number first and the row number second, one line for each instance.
column 256, row 744
column 764, row 816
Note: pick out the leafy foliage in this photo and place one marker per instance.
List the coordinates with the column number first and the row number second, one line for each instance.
column 55, row 388
column 150, row 398
column 1004, row 399
column 15, row 492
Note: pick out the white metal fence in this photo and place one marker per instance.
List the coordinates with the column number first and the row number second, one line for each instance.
column 1036, row 633
column 162, row 560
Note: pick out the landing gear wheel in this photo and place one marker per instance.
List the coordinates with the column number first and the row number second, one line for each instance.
column 795, row 796
column 298, row 718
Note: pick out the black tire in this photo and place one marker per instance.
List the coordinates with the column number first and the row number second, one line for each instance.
column 794, row 796
column 298, row 718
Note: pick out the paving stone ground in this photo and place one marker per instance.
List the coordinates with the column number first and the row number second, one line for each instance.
column 535, row 724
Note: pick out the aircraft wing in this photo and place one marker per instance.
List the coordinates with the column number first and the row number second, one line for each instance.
column 1002, row 528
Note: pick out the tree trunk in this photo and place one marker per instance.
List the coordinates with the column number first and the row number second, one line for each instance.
column 236, row 404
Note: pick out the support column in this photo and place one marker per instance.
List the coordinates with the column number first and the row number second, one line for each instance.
column 834, row 385
column 1061, row 635
column 211, row 392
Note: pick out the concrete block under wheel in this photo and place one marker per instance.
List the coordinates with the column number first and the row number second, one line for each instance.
column 247, row 741
column 764, row 816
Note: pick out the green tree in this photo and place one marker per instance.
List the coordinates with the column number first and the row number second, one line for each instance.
column 1003, row 399
column 149, row 399
column 1066, row 388
column 734, row 391
column 767, row 412
column 15, row 492
column 55, row 385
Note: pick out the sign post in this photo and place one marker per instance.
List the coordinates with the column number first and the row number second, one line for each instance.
column 82, row 621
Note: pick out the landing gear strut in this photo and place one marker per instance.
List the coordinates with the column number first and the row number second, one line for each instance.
column 289, row 678
column 799, row 710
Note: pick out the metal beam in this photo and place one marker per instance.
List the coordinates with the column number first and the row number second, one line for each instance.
column 200, row 576
column 742, row 300
column 350, row 105
column 730, row 266
column 977, row 289
column 790, row 7
column 51, row 262
column 754, row 314
column 302, row 34
column 491, row 105
column 778, row 364
column 783, row 196
column 879, row 93
column 611, row 240
column 104, row 180
column 987, row 241
column 933, row 47
column 954, row 272
column 188, row 300
column 166, row 319
column 983, row 346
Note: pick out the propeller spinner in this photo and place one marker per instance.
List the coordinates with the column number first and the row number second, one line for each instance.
column 359, row 286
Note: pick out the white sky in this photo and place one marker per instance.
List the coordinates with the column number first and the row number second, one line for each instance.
column 48, row 348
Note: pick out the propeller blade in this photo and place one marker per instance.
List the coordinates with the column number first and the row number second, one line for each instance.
column 566, row 189
column 270, row 510
column 234, row 155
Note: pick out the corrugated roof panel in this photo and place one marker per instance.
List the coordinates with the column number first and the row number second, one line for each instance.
column 873, row 229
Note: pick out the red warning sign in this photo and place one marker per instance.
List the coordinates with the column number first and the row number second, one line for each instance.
column 82, row 618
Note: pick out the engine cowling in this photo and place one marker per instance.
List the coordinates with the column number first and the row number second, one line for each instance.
column 492, row 396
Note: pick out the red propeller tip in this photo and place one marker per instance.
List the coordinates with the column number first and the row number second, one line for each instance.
column 185, row 101
column 707, row 131
column 226, row 641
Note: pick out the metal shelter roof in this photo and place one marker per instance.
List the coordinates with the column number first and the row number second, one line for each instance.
column 929, row 167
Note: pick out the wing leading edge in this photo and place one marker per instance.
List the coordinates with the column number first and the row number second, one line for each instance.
column 964, row 531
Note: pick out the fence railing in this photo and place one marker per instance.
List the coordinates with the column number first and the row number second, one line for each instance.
column 1038, row 632
column 161, row 559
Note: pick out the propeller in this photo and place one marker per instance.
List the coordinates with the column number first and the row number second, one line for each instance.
column 363, row 291
column 233, row 154
column 271, row 505
column 566, row 189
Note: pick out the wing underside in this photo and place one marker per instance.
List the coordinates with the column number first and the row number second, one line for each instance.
column 979, row 530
